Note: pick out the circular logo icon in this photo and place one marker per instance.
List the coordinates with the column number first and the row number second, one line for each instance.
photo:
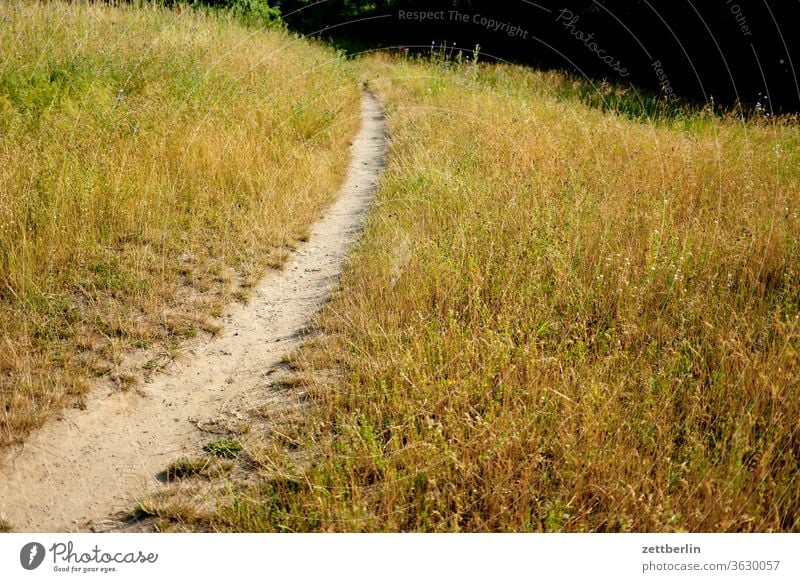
column 31, row 555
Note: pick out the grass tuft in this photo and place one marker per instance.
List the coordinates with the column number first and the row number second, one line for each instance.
column 225, row 447
column 183, row 468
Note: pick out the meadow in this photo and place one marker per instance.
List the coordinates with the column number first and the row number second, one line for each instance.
column 570, row 310
column 559, row 319
column 153, row 165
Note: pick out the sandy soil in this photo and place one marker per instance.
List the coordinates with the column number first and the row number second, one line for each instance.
column 91, row 464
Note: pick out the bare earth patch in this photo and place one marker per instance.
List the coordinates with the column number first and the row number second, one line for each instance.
column 91, row 463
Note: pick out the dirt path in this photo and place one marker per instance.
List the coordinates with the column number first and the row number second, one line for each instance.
column 96, row 462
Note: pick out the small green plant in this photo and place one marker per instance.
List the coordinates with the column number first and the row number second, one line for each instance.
column 5, row 527
column 225, row 447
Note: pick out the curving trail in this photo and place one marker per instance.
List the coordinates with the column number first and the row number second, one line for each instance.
column 93, row 463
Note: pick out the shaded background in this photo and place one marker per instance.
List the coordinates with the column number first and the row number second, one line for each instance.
column 728, row 51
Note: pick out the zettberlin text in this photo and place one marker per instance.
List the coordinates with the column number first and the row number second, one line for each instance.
column 667, row 549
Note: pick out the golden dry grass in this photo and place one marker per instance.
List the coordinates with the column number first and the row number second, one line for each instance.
column 152, row 165
column 558, row 320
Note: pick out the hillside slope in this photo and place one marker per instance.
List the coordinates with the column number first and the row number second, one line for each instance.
column 559, row 320
column 153, row 164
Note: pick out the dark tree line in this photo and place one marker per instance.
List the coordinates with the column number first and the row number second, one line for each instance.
column 725, row 50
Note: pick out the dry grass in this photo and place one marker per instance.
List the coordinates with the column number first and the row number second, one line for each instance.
column 152, row 165
column 559, row 320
